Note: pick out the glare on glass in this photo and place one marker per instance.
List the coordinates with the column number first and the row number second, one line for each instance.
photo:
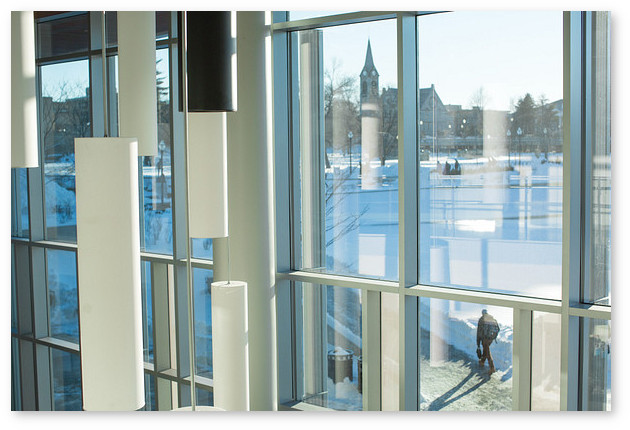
column 456, row 371
column 490, row 151
column 348, row 149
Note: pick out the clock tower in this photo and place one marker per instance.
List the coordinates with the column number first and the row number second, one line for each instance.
column 371, row 138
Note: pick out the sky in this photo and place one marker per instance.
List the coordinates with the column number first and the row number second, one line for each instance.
column 506, row 53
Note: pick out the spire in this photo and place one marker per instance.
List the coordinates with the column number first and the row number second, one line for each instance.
column 369, row 61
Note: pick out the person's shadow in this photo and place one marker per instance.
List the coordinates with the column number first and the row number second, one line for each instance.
column 446, row 399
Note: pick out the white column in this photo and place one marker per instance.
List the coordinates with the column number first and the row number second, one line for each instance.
column 250, row 189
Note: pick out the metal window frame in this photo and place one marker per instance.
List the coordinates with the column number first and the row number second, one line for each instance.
column 569, row 306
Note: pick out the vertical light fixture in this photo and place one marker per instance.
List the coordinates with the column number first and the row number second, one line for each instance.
column 207, row 42
column 108, row 263
column 23, row 103
column 137, row 94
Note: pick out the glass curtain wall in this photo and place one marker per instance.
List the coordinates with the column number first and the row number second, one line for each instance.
column 479, row 217
column 44, row 320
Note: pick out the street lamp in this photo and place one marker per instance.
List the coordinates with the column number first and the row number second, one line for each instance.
column 519, row 132
column 509, row 136
column 350, row 147
column 162, row 179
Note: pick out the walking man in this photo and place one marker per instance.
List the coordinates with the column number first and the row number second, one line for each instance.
column 487, row 331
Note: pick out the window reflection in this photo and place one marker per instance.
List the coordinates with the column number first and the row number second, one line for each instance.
column 63, row 305
column 66, row 380
column 596, row 365
column 349, row 149
column 332, row 347
column 202, row 282
column 490, row 151
column 452, row 378
column 65, row 115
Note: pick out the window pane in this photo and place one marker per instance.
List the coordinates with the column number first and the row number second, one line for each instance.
column 545, row 362
column 149, row 393
column 598, row 290
column 14, row 318
column 63, row 309
column 332, row 347
column 596, row 366
column 202, row 248
column 452, row 378
column 147, row 312
column 19, row 203
column 348, row 149
column 65, row 114
column 66, row 380
column 63, row 36
column 491, row 151
column 202, row 281
column 156, row 171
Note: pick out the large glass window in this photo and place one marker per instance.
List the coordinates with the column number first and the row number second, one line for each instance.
column 490, row 151
column 65, row 115
column 462, row 368
column 545, row 378
column 63, row 305
column 66, row 380
column 332, row 347
column 597, row 286
column 596, row 365
column 202, row 281
column 348, row 166
column 19, row 203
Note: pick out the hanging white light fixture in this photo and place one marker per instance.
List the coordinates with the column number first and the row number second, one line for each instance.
column 137, row 92
column 108, row 263
column 23, row 105
column 207, row 154
column 206, row 188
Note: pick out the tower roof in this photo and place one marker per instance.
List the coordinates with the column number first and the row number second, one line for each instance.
column 369, row 61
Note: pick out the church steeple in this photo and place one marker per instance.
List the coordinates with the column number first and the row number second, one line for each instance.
column 369, row 61
column 369, row 77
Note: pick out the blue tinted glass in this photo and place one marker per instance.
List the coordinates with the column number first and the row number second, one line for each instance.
column 202, row 248
column 149, row 393
column 65, row 114
column 157, row 208
column 66, row 380
column 202, row 280
column 62, row 294
column 19, row 203
column 147, row 312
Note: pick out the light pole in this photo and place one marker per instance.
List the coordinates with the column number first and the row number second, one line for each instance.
column 350, row 148
column 509, row 145
column 162, row 179
column 519, row 132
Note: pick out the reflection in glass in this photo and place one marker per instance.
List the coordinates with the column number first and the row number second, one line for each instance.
column 63, row 36
column 156, row 172
column 19, row 203
column 66, row 380
column 149, row 393
column 202, row 281
column 451, row 375
column 545, row 378
column 64, row 115
column 349, row 149
column 598, row 290
column 596, row 365
column 332, row 347
column 202, row 248
column 147, row 312
column 63, row 305
column 490, row 151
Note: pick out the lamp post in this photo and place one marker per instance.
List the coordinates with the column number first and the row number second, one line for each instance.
column 509, row 145
column 519, row 132
column 350, row 148
column 162, row 179
column 546, row 142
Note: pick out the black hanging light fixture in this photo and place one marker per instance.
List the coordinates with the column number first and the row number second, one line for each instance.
column 211, row 60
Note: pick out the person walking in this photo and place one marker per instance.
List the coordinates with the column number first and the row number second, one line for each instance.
column 487, row 331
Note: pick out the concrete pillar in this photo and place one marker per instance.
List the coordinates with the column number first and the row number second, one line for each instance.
column 250, row 205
